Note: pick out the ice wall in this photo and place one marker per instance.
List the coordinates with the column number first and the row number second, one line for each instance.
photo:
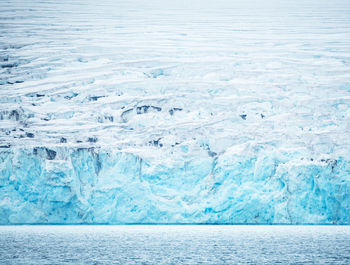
column 90, row 185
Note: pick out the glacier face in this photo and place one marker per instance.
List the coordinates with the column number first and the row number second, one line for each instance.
column 90, row 185
column 158, row 112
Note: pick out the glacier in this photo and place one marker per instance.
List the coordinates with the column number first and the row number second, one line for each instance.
column 89, row 185
column 225, row 112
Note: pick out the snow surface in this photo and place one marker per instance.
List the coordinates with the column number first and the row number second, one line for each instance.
column 187, row 112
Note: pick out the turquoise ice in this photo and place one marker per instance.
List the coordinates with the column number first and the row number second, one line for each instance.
column 91, row 185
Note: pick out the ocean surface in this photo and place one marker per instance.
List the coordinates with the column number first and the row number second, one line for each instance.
column 174, row 244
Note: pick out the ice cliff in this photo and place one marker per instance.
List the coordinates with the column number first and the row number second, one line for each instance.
column 90, row 185
column 157, row 112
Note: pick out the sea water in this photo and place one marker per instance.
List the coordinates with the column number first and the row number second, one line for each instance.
column 174, row 244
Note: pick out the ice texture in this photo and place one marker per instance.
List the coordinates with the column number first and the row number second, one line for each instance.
column 160, row 112
column 90, row 185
